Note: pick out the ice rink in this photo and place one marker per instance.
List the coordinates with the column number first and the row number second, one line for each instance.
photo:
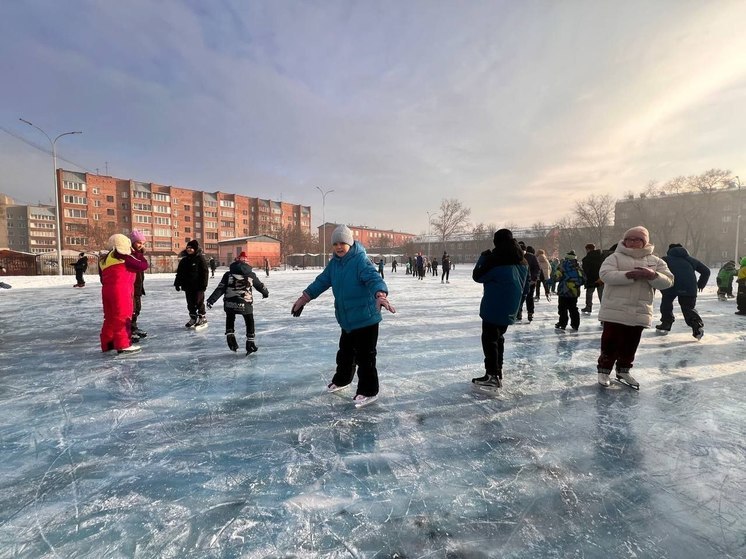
column 190, row 450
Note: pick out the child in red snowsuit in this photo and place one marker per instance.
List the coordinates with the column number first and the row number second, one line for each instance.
column 117, row 270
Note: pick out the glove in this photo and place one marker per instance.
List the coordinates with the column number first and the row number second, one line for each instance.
column 265, row 293
column 302, row 301
column 209, row 305
column 177, row 288
column 382, row 301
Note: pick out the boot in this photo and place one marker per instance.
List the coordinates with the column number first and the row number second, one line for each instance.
column 230, row 337
column 624, row 376
column 250, row 346
column 603, row 377
column 664, row 326
column 192, row 321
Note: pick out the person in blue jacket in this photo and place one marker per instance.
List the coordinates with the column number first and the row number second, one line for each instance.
column 503, row 271
column 685, row 287
column 359, row 293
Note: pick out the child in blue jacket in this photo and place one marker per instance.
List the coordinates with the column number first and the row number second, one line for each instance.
column 359, row 293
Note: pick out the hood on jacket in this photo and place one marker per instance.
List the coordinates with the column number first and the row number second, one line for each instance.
column 678, row 251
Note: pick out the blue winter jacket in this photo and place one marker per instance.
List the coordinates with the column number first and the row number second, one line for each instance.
column 503, row 287
column 354, row 281
column 682, row 267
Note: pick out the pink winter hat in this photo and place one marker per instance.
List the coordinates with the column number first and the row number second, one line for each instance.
column 137, row 236
column 638, row 231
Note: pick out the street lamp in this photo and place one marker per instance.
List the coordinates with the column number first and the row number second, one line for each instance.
column 738, row 220
column 56, row 189
column 323, row 216
column 429, row 219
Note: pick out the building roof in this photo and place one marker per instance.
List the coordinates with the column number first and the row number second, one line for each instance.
column 256, row 238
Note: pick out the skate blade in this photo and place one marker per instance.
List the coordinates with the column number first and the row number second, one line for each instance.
column 662, row 332
column 366, row 402
column 199, row 328
column 632, row 386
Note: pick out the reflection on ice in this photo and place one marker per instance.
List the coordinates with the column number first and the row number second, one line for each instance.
column 189, row 450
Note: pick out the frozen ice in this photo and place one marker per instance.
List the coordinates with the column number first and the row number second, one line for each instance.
column 188, row 449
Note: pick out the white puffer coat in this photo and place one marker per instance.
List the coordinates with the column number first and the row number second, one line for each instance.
column 627, row 301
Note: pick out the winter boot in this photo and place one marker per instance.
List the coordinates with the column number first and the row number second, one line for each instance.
column 663, row 327
column 192, row 321
column 698, row 332
column 603, row 377
column 530, row 316
column 230, row 337
column 250, row 346
column 624, row 377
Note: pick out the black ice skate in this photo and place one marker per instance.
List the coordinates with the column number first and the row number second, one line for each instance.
column 231, row 339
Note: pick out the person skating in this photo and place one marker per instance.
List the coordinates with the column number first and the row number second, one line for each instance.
column 684, row 288
column 81, row 265
column 503, row 273
column 235, row 288
column 192, row 277
column 533, row 276
column 359, row 294
column 630, row 276
column 117, row 270
column 741, row 294
column 445, row 266
column 435, row 267
column 213, row 266
column 591, row 266
column 138, row 246
column 544, row 278
column 569, row 277
column 725, row 280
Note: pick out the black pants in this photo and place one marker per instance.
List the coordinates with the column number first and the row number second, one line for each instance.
column 528, row 298
column 493, row 346
column 589, row 289
column 79, row 277
column 230, row 323
column 687, row 304
column 445, row 275
column 358, row 348
column 565, row 306
column 136, row 307
column 195, row 302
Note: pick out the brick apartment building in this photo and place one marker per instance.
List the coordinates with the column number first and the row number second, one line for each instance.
column 92, row 207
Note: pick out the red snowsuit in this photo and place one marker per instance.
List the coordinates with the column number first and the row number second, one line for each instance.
column 117, row 288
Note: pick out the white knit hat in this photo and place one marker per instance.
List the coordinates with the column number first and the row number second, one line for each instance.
column 120, row 243
column 342, row 234
column 639, row 231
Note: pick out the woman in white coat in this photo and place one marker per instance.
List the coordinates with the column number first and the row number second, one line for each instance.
column 630, row 276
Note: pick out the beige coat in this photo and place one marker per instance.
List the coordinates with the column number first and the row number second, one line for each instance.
column 627, row 301
column 543, row 264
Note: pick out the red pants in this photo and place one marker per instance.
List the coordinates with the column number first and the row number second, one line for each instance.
column 618, row 345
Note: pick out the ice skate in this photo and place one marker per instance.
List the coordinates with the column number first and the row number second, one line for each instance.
column 586, row 310
column 331, row 388
column 139, row 333
column 603, row 378
column 492, row 384
column 129, row 350
column 201, row 323
column 623, row 377
column 663, row 328
column 192, row 322
column 230, row 338
column 251, row 346
column 559, row 328
column 362, row 401
column 698, row 332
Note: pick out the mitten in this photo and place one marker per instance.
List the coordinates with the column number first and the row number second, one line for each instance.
column 382, row 301
column 302, row 301
column 177, row 288
column 265, row 293
column 209, row 305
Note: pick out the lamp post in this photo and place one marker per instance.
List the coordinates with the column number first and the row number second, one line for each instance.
column 429, row 219
column 738, row 220
column 323, row 216
column 56, row 189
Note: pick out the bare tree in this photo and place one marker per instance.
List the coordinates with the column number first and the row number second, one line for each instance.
column 98, row 233
column 452, row 219
column 481, row 232
column 596, row 213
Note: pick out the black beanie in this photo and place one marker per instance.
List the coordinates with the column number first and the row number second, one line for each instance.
column 501, row 236
column 193, row 243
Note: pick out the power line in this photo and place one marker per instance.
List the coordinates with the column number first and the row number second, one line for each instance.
column 43, row 149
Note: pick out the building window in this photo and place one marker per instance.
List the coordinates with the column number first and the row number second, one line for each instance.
column 111, row 198
column 69, row 199
column 110, row 212
column 71, row 212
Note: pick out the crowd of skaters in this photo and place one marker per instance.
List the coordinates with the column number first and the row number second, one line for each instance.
column 514, row 275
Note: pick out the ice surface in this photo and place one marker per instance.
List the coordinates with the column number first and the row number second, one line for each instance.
column 190, row 450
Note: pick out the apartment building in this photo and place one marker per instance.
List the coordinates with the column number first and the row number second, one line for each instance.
column 93, row 207
column 30, row 228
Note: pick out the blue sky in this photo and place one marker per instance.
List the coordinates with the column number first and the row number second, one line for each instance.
column 515, row 108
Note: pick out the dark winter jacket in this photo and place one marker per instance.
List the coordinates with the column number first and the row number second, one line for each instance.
column 591, row 265
column 569, row 278
column 503, row 272
column 682, row 267
column 354, row 281
column 445, row 263
column 81, row 265
column 235, row 286
column 140, row 277
column 192, row 274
